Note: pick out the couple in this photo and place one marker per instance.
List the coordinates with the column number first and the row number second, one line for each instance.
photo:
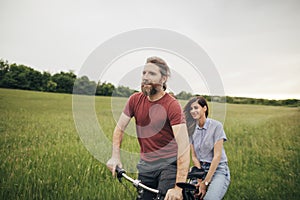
column 167, row 136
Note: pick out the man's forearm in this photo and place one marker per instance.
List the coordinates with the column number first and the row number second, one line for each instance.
column 118, row 135
column 115, row 159
column 183, row 154
column 183, row 163
column 117, row 139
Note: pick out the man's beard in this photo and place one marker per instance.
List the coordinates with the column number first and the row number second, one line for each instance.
column 150, row 88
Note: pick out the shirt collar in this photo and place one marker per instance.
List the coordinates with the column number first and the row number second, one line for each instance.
column 206, row 124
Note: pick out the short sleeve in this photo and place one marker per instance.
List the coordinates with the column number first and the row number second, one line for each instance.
column 175, row 114
column 129, row 107
column 219, row 133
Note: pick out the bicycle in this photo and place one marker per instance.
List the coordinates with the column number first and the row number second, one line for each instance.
column 188, row 188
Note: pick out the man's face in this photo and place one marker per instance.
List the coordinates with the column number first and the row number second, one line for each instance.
column 152, row 80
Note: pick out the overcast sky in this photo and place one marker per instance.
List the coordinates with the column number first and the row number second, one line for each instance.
column 254, row 44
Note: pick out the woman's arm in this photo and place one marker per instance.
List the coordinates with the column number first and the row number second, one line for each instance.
column 213, row 166
column 194, row 157
column 216, row 160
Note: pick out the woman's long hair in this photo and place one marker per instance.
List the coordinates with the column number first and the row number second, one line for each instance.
column 190, row 121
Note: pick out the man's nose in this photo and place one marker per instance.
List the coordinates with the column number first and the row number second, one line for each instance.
column 145, row 78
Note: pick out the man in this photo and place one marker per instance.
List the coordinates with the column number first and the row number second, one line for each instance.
column 161, row 131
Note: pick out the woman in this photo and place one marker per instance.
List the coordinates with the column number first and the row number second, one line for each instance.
column 206, row 138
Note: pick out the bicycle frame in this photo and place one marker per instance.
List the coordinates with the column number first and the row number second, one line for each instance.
column 137, row 183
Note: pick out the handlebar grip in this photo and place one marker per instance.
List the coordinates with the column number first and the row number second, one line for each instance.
column 120, row 172
column 197, row 173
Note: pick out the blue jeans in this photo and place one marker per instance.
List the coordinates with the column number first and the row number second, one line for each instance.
column 219, row 183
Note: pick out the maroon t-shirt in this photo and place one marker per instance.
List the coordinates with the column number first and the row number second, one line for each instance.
column 154, row 121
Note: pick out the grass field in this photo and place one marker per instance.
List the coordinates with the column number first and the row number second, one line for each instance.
column 43, row 157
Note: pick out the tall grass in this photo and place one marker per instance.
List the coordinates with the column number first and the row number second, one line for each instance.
column 263, row 151
column 42, row 156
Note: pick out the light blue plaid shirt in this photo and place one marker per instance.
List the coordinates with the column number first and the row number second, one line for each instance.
column 205, row 138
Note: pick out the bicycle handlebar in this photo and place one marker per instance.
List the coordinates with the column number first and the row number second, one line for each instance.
column 188, row 188
column 137, row 183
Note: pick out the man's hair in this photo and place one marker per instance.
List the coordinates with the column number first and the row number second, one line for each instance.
column 163, row 66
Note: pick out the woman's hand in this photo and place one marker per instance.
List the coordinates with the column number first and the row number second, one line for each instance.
column 202, row 189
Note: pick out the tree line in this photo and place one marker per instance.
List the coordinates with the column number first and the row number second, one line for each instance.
column 244, row 100
column 18, row 76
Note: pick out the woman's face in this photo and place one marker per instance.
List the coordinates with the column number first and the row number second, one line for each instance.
column 197, row 111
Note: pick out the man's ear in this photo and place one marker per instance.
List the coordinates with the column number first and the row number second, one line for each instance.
column 164, row 79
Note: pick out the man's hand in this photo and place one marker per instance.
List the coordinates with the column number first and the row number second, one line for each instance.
column 112, row 163
column 174, row 194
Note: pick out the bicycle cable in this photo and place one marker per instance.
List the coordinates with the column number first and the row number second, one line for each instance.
column 127, row 188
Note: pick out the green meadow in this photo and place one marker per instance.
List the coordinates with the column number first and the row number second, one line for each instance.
column 43, row 157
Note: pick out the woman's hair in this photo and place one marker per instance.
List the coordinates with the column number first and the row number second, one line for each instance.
column 164, row 68
column 190, row 121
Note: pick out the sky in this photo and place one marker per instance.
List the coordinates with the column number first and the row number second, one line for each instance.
column 254, row 44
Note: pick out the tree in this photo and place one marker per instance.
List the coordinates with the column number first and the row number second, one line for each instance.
column 184, row 95
column 15, row 77
column 4, row 67
column 50, row 87
column 105, row 89
column 65, row 81
column 83, row 85
column 20, row 77
column 35, row 79
column 46, row 78
column 122, row 91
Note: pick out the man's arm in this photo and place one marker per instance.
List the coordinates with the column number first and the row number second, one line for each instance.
column 117, row 140
column 183, row 159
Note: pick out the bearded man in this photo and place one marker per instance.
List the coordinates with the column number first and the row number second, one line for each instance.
column 161, row 132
